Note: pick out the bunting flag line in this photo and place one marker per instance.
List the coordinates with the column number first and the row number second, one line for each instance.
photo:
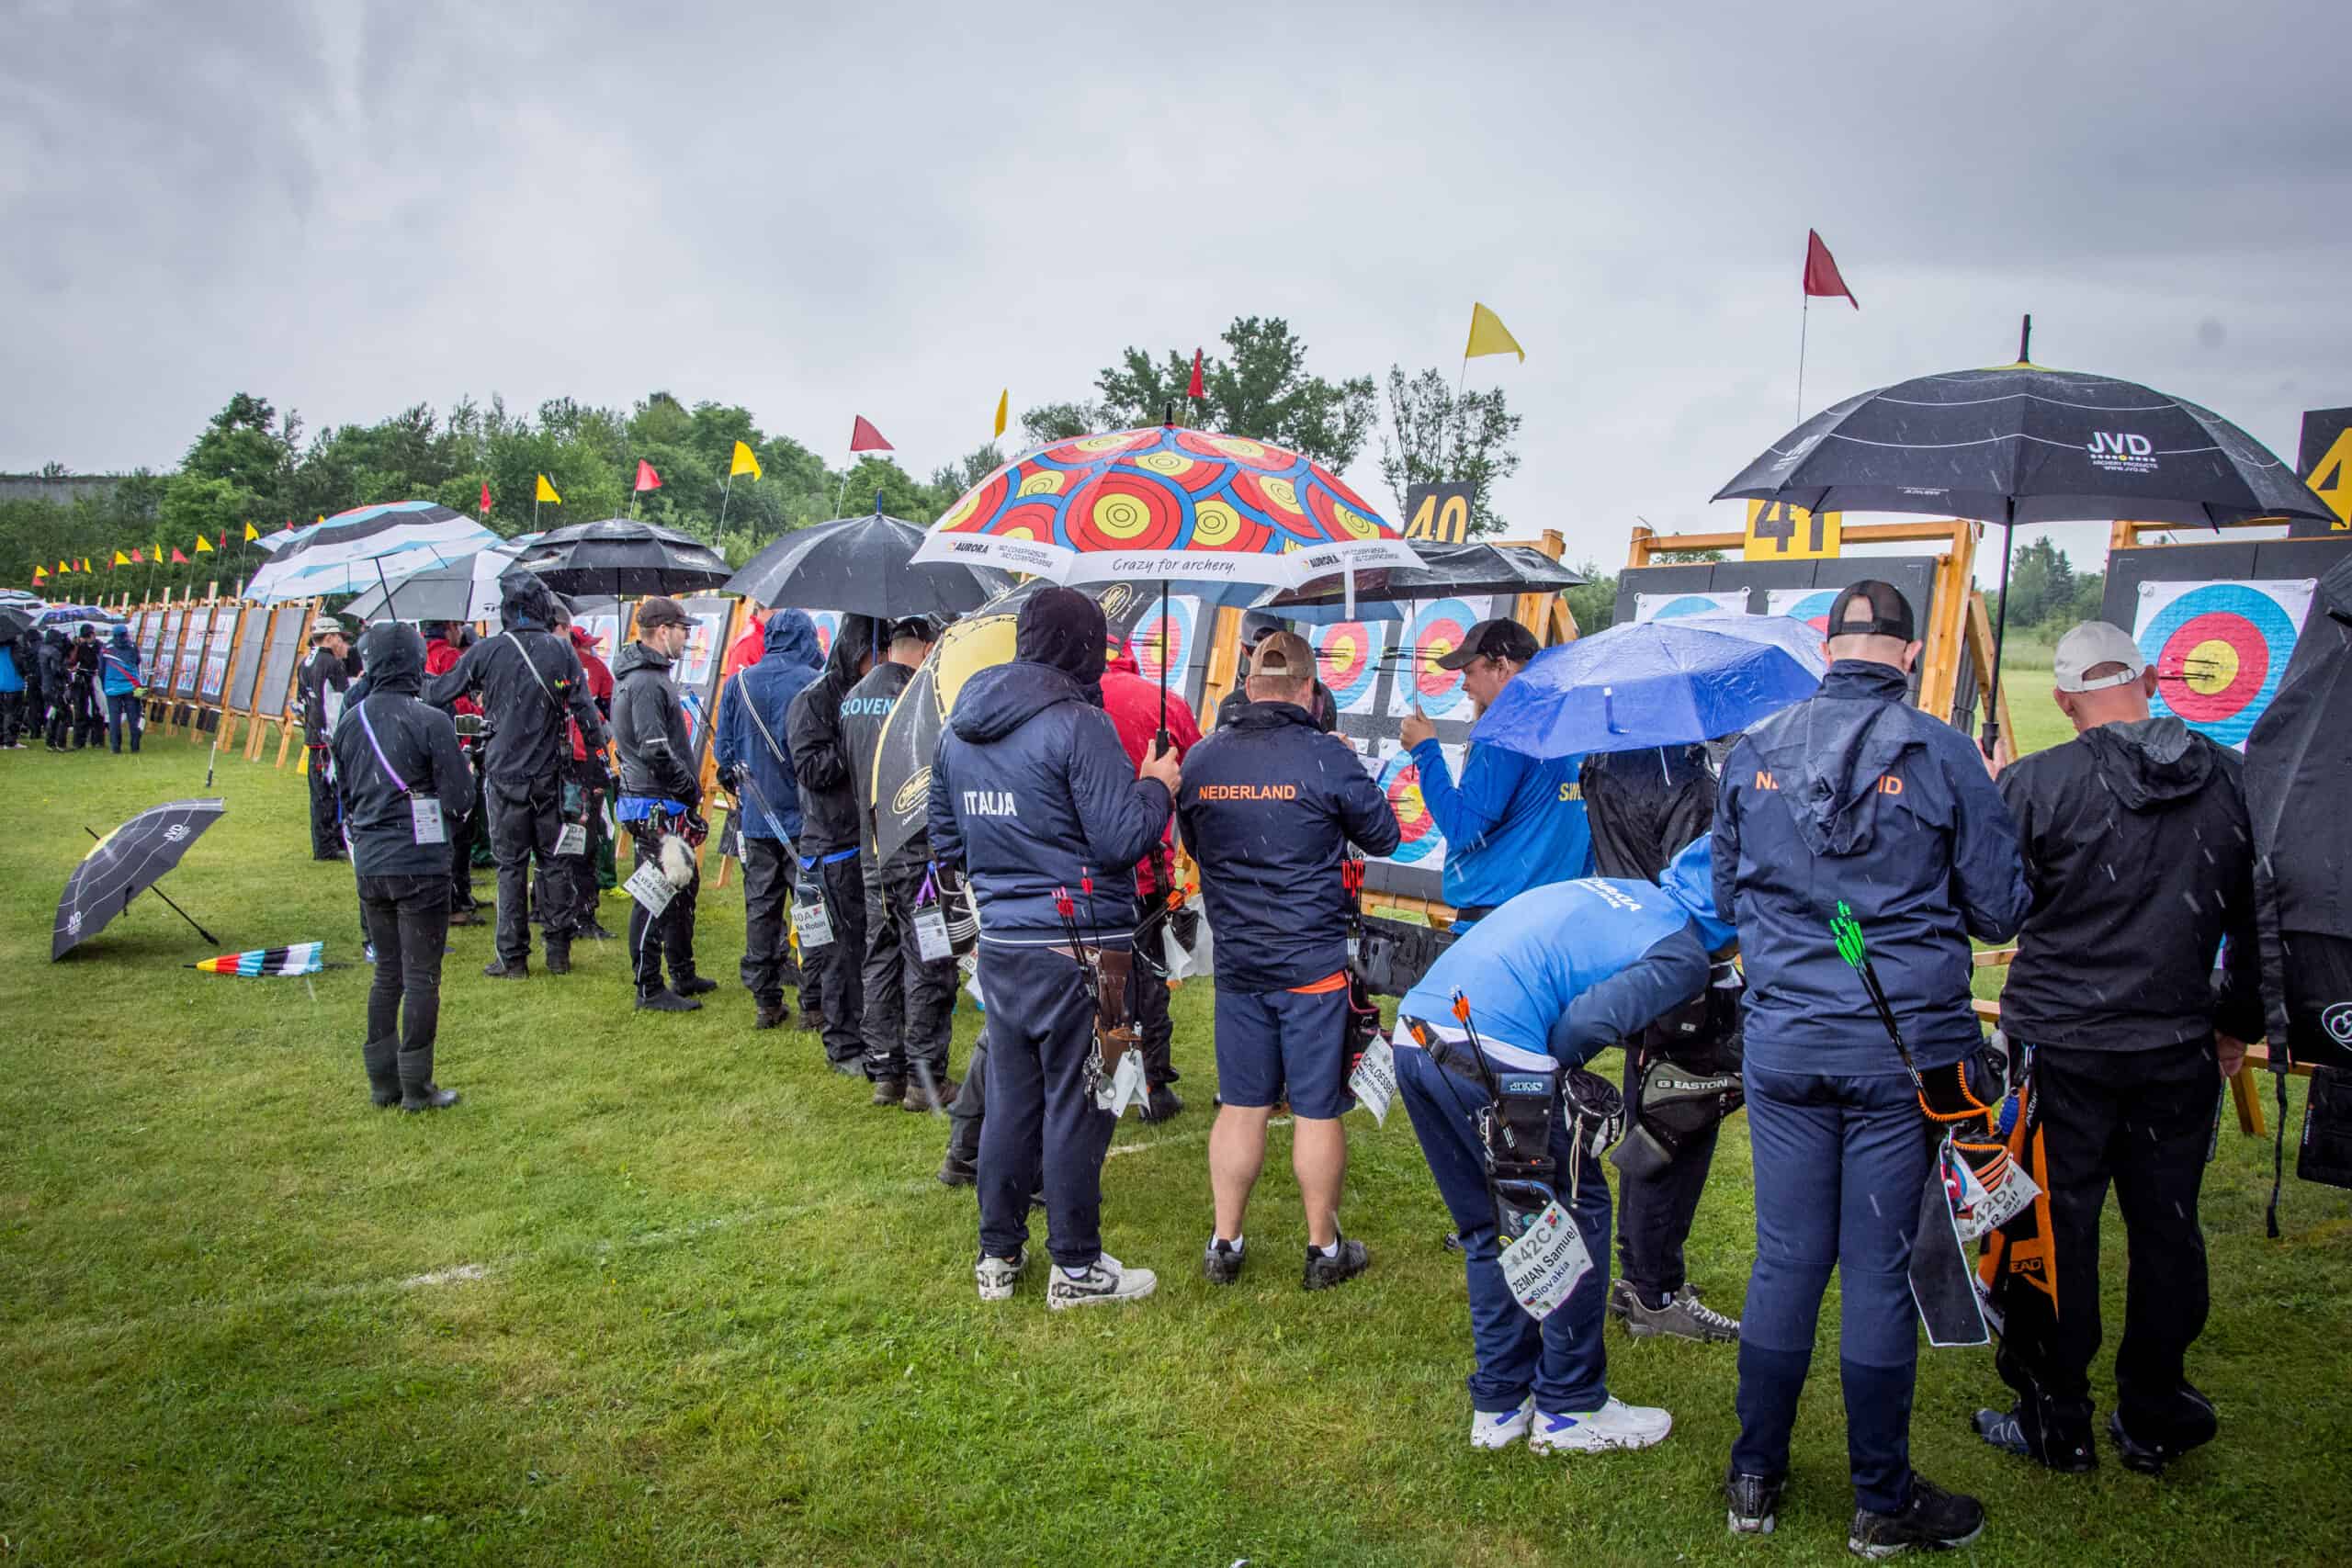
column 1003, row 408
column 63, row 567
column 864, row 437
column 745, row 462
column 262, row 963
column 121, row 559
column 546, row 494
column 1488, row 335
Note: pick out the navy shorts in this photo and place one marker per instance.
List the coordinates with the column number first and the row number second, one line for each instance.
column 1273, row 1042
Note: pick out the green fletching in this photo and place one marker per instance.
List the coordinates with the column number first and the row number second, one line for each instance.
column 1848, row 932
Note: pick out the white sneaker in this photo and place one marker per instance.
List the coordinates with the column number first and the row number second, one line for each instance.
column 1493, row 1429
column 1615, row 1425
column 1105, row 1280
column 996, row 1275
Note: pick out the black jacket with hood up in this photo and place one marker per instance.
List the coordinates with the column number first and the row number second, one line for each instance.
column 819, row 754
column 420, row 744
column 2140, row 858
column 864, row 713
column 649, row 730
column 530, row 681
column 1645, row 807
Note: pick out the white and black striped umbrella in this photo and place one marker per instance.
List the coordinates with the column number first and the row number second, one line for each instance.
column 347, row 553
column 465, row 590
column 125, row 863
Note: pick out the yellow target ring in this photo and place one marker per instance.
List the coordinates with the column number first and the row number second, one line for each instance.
column 2210, row 666
column 1354, row 522
column 1121, row 517
column 1282, row 495
column 1214, row 524
column 1045, row 481
column 1169, row 463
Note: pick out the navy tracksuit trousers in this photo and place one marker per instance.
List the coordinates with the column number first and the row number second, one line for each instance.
column 1561, row 1359
column 1041, row 1122
column 1839, row 1163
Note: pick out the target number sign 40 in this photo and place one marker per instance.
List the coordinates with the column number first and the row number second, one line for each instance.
column 1440, row 513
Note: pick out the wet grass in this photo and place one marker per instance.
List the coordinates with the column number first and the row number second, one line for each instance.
column 664, row 1289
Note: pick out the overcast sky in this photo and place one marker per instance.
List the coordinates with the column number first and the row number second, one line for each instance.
column 819, row 211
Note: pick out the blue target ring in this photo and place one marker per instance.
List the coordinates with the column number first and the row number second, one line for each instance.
column 1689, row 604
column 1418, row 838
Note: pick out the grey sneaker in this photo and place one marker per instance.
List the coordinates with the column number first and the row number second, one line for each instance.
column 995, row 1275
column 1103, row 1280
column 1754, row 1502
column 1221, row 1262
column 1684, row 1318
column 1322, row 1272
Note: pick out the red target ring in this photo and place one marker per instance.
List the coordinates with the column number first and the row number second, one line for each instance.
column 2213, row 666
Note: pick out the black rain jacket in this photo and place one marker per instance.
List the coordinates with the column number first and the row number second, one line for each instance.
column 650, row 730
column 421, row 745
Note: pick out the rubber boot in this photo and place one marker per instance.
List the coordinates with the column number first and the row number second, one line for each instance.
column 558, row 954
column 382, row 1061
column 418, row 1091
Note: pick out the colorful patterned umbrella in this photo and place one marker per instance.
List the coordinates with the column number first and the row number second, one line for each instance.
column 262, row 963
column 1164, row 504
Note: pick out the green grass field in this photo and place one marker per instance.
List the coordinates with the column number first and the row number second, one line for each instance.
column 666, row 1291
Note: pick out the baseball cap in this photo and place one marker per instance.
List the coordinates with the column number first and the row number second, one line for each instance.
column 1284, row 655
column 2090, row 645
column 1501, row 637
column 1887, row 612
column 1257, row 626
column 660, row 612
column 326, row 626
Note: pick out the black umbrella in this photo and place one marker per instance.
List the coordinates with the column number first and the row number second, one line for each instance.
column 2024, row 444
column 1445, row 570
column 127, row 862
column 16, row 620
column 620, row 555
column 861, row 565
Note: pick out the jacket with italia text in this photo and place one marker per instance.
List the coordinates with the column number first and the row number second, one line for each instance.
column 1031, row 790
column 529, row 680
column 1512, row 821
column 1268, row 805
column 762, row 694
column 1853, row 795
column 420, row 744
column 1566, row 970
column 819, row 759
column 864, row 713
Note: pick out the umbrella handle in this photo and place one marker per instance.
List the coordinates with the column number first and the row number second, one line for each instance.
column 1608, row 710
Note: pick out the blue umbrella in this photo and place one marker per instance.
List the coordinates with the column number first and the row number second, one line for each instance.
column 1648, row 684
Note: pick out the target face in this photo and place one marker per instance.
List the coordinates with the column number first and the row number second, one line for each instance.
column 1418, row 838
column 1432, row 634
column 1673, row 606
column 1164, row 642
column 2219, row 650
column 1347, row 657
column 827, row 622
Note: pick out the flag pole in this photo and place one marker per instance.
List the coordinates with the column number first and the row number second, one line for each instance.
column 1805, row 323
column 724, row 492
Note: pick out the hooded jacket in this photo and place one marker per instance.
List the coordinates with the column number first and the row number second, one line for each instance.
column 600, row 692
column 2140, row 859
column 650, row 731
column 530, row 682
column 1566, row 970
column 323, row 672
column 1269, row 805
column 762, row 694
column 1645, row 806
column 419, row 755
column 1854, row 796
column 1031, row 790
column 118, row 664
column 864, row 713
column 819, row 756
column 53, row 661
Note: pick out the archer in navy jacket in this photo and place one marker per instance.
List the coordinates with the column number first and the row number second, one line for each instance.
column 1855, row 794
column 1268, row 805
column 1031, row 791
column 791, row 660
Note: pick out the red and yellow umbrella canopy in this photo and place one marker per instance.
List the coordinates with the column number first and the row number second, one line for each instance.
column 1165, row 503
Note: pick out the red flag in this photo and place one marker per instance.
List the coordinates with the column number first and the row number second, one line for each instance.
column 1821, row 277
column 646, row 478
column 485, row 498
column 864, row 437
column 135, row 559
column 223, row 543
column 178, row 558
column 1195, row 389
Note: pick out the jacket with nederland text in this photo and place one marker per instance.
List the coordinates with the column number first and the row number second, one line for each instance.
column 1269, row 805
column 1031, row 790
column 1855, row 796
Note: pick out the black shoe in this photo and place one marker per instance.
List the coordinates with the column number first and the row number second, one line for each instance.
column 1754, row 1502
column 426, row 1096
column 889, row 1091
column 771, row 1015
column 666, row 1001
column 466, row 917
column 694, row 985
column 559, row 957
column 1933, row 1520
column 594, row 931
column 499, row 969
column 1163, row 1105
column 2198, row 1426
column 1221, row 1262
column 957, row 1171
column 2006, row 1430
column 1322, row 1272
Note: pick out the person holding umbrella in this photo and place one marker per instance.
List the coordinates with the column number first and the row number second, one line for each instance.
column 326, row 677
column 756, row 769
column 82, row 672
column 1852, row 796
column 402, row 784
column 828, row 839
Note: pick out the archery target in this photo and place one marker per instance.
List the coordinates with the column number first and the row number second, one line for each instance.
column 1420, row 844
column 1433, row 633
column 2220, row 649
column 1670, row 606
column 827, row 622
column 1165, row 641
column 1811, row 606
column 1347, row 657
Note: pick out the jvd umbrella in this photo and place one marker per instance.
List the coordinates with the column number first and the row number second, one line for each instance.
column 864, row 565
column 127, row 862
column 1640, row 685
column 267, row 963
column 620, row 555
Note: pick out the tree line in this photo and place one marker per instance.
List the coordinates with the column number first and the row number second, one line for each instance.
column 254, row 463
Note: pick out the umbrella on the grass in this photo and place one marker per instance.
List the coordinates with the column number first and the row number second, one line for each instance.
column 269, row 963
column 864, row 565
column 2024, row 444
column 464, row 588
column 620, row 555
column 365, row 546
column 127, row 862
column 1641, row 684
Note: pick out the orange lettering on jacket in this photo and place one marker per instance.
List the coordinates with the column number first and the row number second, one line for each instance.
column 1766, row 781
column 1888, row 783
column 1249, row 792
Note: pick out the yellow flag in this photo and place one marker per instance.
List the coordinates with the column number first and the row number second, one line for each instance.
column 121, row 559
column 251, row 533
column 63, row 568
column 1003, row 407
column 547, row 491
column 203, row 545
column 744, row 462
column 159, row 552
column 323, row 516
column 84, row 566
column 1488, row 335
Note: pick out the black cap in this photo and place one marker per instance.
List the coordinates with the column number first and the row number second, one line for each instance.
column 1501, row 637
column 1257, row 626
column 661, row 611
column 1889, row 613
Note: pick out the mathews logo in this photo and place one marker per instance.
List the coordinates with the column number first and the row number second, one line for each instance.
column 2337, row 1021
column 1117, row 598
column 2121, row 452
column 913, row 793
